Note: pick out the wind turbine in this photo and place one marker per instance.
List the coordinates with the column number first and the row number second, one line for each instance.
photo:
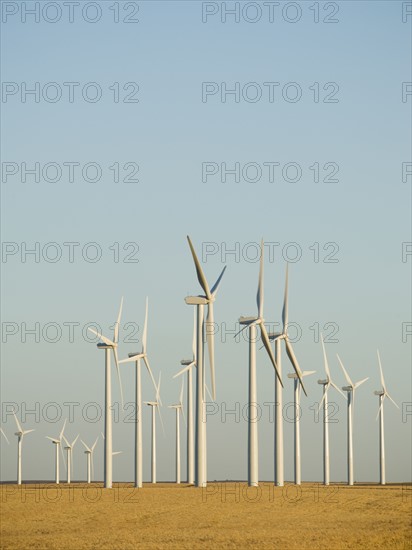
column 277, row 337
column 155, row 405
column 57, row 441
column 69, row 449
column 135, row 358
column 350, row 390
column 20, row 434
column 382, row 394
column 90, row 462
column 188, row 365
column 109, row 345
column 179, row 408
column 200, row 301
column 251, row 322
column 326, row 383
column 297, row 389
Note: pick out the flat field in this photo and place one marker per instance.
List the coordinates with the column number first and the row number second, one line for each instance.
column 223, row 515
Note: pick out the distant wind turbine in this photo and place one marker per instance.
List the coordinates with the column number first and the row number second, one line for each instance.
column 69, row 448
column 200, row 301
column 20, row 434
column 278, row 337
column 188, row 365
column 326, row 383
column 251, row 322
column 58, row 441
column 135, row 358
column 297, row 389
column 108, row 346
column 350, row 390
column 179, row 408
column 382, row 394
column 155, row 405
column 90, row 461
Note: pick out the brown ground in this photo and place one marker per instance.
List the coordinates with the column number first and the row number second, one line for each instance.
column 224, row 515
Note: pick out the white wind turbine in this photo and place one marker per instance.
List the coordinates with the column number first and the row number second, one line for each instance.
column 278, row 337
column 108, row 346
column 155, row 405
column 69, row 449
column 382, row 394
column 350, row 390
column 135, row 358
column 179, row 408
column 326, row 383
column 20, row 434
column 200, row 301
column 58, row 441
column 251, row 322
column 188, row 365
column 296, row 392
column 90, row 461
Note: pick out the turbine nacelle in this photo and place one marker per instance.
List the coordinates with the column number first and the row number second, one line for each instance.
column 379, row 392
column 186, row 362
column 249, row 320
column 348, row 388
column 323, row 382
column 197, row 301
column 102, row 345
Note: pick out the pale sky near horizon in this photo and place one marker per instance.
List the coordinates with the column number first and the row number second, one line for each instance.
column 315, row 102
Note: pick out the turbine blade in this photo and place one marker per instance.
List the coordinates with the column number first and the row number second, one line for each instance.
column 51, row 439
column 62, row 452
column 144, row 336
column 260, row 290
column 74, row 442
column 181, row 392
column 266, row 343
column 86, row 447
column 210, row 329
column 200, row 275
column 19, row 428
column 337, row 388
column 208, row 392
column 389, row 397
column 132, row 359
column 244, row 328
column 95, row 443
column 322, row 400
column 182, row 371
column 357, row 384
column 215, row 287
column 161, row 419
column 349, row 381
column 380, row 407
column 28, row 431
column 116, row 360
column 65, row 440
column 146, row 361
column 158, row 389
column 117, row 324
column 381, row 372
column 325, row 359
column 183, row 414
column 285, row 311
column 101, row 337
column 61, row 433
column 294, row 361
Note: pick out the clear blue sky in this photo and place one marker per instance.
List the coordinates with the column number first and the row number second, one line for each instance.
column 169, row 133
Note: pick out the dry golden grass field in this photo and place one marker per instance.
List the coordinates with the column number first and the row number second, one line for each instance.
column 224, row 515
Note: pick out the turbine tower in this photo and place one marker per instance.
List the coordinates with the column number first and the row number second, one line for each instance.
column 277, row 337
column 326, row 383
column 57, row 441
column 250, row 323
column 108, row 346
column 155, row 405
column 20, row 434
column 200, row 301
column 382, row 394
column 90, row 461
column 179, row 408
column 188, row 365
column 297, row 389
column 69, row 449
column 350, row 390
column 135, row 358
